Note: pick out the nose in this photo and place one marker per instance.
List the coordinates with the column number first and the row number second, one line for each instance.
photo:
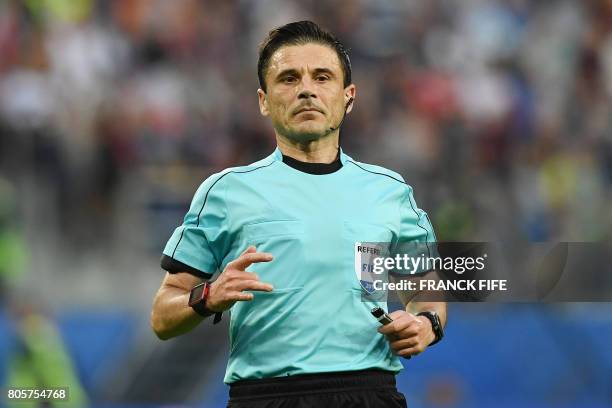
column 305, row 94
column 307, row 89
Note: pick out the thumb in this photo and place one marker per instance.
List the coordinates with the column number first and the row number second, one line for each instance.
column 399, row 313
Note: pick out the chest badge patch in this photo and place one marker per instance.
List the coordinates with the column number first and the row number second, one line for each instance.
column 365, row 253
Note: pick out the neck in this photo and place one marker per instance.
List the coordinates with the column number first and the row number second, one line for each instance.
column 324, row 150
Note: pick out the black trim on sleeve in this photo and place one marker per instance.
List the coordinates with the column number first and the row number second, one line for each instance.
column 173, row 266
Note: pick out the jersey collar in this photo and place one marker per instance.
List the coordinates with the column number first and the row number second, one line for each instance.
column 312, row 168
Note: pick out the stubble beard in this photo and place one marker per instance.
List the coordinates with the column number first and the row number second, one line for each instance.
column 302, row 136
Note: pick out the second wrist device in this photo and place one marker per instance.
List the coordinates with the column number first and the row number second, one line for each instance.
column 197, row 301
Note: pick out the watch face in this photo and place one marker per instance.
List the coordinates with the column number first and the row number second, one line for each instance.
column 196, row 294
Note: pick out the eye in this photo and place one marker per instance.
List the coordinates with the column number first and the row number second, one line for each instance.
column 289, row 79
column 322, row 78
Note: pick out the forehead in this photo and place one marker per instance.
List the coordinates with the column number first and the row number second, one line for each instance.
column 304, row 56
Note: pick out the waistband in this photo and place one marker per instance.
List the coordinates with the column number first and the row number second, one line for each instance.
column 311, row 384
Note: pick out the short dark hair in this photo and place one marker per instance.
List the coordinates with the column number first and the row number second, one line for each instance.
column 299, row 33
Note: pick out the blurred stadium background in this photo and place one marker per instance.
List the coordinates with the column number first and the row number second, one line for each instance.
column 498, row 113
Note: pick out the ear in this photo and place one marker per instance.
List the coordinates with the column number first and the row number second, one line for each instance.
column 349, row 95
column 263, row 102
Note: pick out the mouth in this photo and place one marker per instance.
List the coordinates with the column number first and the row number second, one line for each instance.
column 307, row 110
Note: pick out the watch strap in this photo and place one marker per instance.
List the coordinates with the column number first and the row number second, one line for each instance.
column 435, row 325
column 200, row 306
column 217, row 318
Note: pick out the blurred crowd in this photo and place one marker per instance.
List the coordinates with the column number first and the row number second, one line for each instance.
column 112, row 112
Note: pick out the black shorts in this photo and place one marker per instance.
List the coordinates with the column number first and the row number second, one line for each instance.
column 351, row 389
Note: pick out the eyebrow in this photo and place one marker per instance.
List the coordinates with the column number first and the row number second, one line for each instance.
column 324, row 71
column 292, row 71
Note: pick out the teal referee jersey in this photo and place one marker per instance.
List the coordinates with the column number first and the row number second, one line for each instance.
column 309, row 217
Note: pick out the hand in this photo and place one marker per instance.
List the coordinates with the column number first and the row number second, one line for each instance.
column 408, row 335
column 229, row 286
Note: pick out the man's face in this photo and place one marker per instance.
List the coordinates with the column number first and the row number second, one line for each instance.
column 305, row 93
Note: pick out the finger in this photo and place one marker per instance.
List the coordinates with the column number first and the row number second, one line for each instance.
column 397, row 314
column 242, row 275
column 403, row 316
column 406, row 317
column 410, row 351
column 241, row 296
column 396, row 326
column 401, row 344
column 393, row 337
column 250, row 249
column 387, row 329
column 401, row 336
column 411, row 331
column 254, row 285
column 246, row 260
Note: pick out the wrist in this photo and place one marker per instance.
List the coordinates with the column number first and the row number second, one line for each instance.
column 199, row 301
column 431, row 335
column 211, row 308
column 435, row 324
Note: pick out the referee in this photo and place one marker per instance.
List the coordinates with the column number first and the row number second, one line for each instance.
column 280, row 235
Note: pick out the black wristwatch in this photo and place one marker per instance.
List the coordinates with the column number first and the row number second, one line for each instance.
column 197, row 301
column 435, row 325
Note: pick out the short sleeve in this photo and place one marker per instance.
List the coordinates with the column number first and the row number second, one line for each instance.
column 416, row 237
column 198, row 245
